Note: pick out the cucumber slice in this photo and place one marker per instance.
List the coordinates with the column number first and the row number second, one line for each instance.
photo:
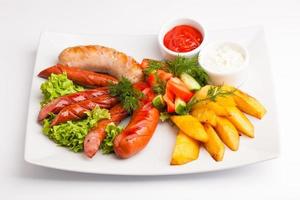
column 158, row 102
column 180, row 106
column 190, row 82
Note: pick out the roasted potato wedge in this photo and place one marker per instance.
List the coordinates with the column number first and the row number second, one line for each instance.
column 240, row 121
column 228, row 133
column 218, row 106
column 226, row 100
column 215, row 107
column 186, row 149
column 205, row 115
column 247, row 103
column 214, row 145
column 190, row 126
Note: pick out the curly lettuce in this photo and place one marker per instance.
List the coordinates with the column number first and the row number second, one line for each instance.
column 58, row 85
column 72, row 133
column 111, row 132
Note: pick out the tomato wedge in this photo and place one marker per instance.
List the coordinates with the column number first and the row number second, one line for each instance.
column 177, row 87
column 151, row 80
column 162, row 75
column 145, row 63
column 169, row 98
column 148, row 95
column 140, row 85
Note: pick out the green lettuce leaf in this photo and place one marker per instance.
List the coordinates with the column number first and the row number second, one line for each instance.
column 111, row 132
column 72, row 133
column 58, row 85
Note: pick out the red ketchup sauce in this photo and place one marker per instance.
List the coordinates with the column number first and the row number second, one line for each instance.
column 183, row 38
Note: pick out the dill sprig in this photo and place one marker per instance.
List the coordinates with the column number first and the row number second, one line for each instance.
column 155, row 65
column 190, row 66
column 160, row 86
column 126, row 94
column 216, row 91
column 212, row 94
column 164, row 116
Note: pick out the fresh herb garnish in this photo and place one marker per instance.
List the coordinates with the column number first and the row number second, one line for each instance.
column 217, row 91
column 212, row 94
column 190, row 66
column 127, row 94
column 153, row 66
column 164, row 116
column 160, row 86
column 111, row 132
column 190, row 104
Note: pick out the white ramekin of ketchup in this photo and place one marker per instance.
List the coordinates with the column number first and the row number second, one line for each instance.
column 181, row 37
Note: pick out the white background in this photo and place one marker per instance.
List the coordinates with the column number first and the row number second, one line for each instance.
column 21, row 23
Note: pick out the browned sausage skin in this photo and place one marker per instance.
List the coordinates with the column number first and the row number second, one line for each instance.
column 96, row 135
column 102, row 59
column 59, row 103
column 78, row 110
column 80, row 76
column 138, row 132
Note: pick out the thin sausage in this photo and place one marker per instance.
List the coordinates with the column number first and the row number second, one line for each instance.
column 97, row 134
column 59, row 103
column 80, row 76
column 78, row 110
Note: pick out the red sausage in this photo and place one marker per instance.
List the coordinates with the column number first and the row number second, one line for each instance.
column 59, row 103
column 78, row 110
column 138, row 132
column 80, row 76
column 97, row 134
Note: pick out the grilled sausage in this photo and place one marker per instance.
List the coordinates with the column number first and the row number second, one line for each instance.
column 138, row 132
column 97, row 134
column 102, row 59
column 78, row 111
column 59, row 103
column 80, row 76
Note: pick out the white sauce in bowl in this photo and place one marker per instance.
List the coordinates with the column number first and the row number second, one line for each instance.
column 223, row 57
column 225, row 62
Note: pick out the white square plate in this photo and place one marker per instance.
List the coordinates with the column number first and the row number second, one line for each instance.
column 155, row 158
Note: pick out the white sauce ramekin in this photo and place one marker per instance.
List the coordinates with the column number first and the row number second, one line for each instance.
column 232, row 75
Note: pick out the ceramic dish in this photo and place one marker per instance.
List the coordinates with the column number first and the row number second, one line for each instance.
column 154, row 160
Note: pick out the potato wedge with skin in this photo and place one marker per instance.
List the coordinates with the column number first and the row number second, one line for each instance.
column 218, row 109
column 186, row 149
column 218, row 105
column 205, row 115
column 226, row 100
column 202, row 93
column 247, row 103
column 214, row 145
column 240, row 121
column 190, row 126
column 228, row 133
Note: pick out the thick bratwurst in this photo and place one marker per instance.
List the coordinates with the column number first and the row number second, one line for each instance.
column 102, row 59
column 138, row 132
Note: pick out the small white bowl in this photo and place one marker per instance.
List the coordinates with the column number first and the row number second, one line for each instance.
column 231, row 76
column 169, row 54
